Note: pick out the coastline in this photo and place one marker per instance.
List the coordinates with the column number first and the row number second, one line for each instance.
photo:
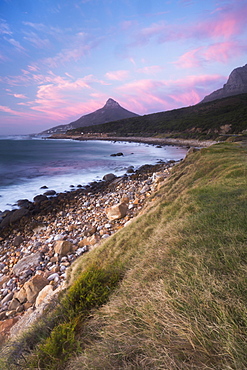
column 79, row 219
column 147, row 140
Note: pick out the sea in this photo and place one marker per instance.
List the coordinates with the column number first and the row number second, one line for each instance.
column 29, row 163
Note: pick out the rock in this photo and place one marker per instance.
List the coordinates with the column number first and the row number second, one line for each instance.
column 26, row 263
column 7, row 298
column 5, row 327
column 17, row 215
column 117, row 154
column 50, row 192
column 54, row 277
column 130, row 169
column 24, row 203
column 63, row 247
column 109, row 177
column 21, row 296
column 34, row 286
column 44, row 295
column 236, row 84
column 117, row 211
column 14, row 304
column 39, row 199
column 17, row 241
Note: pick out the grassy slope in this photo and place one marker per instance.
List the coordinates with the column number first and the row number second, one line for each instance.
column 201, row 121
column 174, row 281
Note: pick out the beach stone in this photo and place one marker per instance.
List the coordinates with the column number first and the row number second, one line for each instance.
column 63, row 247
column 50, row 192
column 14, row 304
column 7, row 298
column 34, row 286
column 24, row 203
column 40, row 198
column 5, row 327
column 26, row 262
column 44, row 295
column 109, row 177
column 17, row 215
column 17, row 241
column 21, row 295
column 117, row 211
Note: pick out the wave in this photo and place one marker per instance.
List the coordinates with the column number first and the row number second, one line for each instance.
column 15, row 137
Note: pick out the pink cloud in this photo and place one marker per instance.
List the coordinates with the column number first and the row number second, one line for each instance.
column 151, row 96
column 120, row 75
column 189, row 60
column 8, row 110
column 221, row 52
column 224, row 51
column 224, row 23
column 150, row 70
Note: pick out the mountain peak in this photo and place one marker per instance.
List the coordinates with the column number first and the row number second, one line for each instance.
column 111, row 103
column 236, row 84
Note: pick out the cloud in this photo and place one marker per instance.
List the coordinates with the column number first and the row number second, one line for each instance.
column 4, row 28
column 224, row 23
column 120, row 75
column 150, row 70
column 36, row 41
column 221, row 52
column 152, row 95
column 18, row 96
column 8, row 110
column 15, row 43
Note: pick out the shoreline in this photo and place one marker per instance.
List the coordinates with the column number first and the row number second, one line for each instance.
column 78, row 219
column 146, row 140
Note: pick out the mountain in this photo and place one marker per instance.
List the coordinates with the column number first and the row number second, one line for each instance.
column 236, row 84
column 226, row 116
column 111, row 111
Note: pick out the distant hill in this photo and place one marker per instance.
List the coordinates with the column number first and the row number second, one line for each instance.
column 226, row 116
column 236, row 84
column 111, row 111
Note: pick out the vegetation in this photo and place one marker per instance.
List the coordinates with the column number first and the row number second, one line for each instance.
column 202, row 121
column 169, row 290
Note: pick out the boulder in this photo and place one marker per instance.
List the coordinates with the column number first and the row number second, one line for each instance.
column 44, row 295
column 63, row 247
column 34, row 286
column 5, row 327
column 18, row 214
column 17, row 241
column 24, row 203
column 26, row 262
column 50, row 192
column 117, row 211
column 39, row 199
column 109, row 177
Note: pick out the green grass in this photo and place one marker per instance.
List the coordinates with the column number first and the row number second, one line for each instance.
column 177, row 296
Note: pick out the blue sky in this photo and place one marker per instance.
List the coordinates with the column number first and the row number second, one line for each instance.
column 62, row 59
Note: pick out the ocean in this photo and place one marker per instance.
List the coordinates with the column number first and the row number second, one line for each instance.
column 27, row 164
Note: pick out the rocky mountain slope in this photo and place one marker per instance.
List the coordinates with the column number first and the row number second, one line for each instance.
column 111, row 111
column 236, row 84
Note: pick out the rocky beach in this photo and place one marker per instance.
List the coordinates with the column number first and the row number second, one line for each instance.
column 40, row 240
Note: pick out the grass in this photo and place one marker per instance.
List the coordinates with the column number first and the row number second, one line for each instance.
column 177, row 296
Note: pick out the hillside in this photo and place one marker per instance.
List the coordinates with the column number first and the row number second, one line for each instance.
column 202, row 121
column 168, row 291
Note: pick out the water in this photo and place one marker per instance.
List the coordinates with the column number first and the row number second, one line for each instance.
column 27, row 164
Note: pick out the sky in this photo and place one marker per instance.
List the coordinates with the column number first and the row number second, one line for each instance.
column 62, row 59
